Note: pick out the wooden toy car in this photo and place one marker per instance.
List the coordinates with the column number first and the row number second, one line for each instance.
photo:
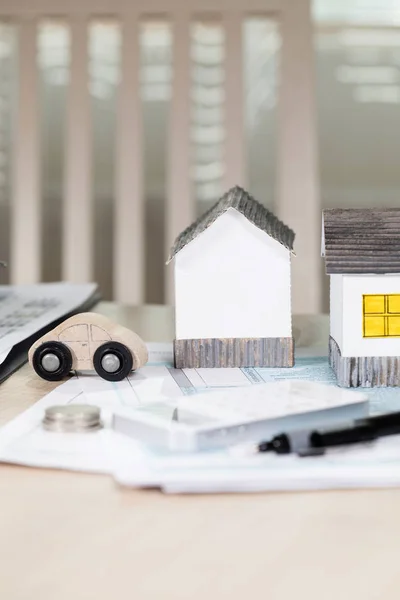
column 88, row 341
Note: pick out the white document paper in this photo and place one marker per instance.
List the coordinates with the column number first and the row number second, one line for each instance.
column 26, row 309
column 361, row 466
column 24, row 441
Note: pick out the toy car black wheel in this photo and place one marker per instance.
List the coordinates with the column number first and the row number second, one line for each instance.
column 52, row 361
column 113, row 361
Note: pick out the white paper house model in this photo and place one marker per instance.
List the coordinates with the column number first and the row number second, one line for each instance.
column 232, row 287
column 362, row 256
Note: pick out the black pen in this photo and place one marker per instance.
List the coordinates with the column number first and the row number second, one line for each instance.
column 308, row 443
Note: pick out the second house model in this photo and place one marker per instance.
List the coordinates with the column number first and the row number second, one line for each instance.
column 362, row 257
column 233, row 287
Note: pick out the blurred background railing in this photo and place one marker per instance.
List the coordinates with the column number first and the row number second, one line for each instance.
column 121, row 122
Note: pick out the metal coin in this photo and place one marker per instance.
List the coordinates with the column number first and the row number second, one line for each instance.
column 74, row 418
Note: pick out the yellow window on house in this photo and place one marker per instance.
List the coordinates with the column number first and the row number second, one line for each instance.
column 381, row 315
column 394, row 326
column 374, row 304
column 374, row 326
column 394, row 304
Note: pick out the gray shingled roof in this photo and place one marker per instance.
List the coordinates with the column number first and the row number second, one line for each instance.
column 250, row 208
column 361, row 240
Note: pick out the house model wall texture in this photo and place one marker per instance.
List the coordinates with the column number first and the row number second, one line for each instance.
column 362, row 256
column 233, row 287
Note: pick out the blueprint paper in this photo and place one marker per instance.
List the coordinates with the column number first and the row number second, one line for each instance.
column 23, row 441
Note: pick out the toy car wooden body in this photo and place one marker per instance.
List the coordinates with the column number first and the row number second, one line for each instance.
column 88, row 341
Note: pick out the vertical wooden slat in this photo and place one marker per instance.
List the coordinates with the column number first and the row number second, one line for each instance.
column 77, row 208
column 234, row 101
column 298, row 185
column 25, row 255
column 129, row 209
column 180, row 209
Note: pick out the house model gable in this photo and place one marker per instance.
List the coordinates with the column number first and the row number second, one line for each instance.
column 255, row 212
column 235, row 242
column 232, row 287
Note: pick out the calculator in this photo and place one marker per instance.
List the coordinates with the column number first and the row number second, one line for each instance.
column 233, row 415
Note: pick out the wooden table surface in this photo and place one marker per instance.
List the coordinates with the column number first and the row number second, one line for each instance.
column 69, row 536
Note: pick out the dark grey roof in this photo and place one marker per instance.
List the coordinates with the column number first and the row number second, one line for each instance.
column 361, row 240
column 241, row 201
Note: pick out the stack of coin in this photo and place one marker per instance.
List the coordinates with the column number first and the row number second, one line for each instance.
column 72, row 418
